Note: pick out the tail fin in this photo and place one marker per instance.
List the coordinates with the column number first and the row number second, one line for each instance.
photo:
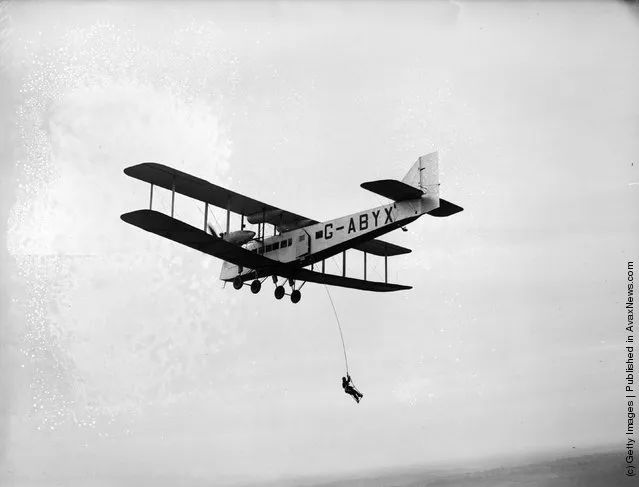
column 424, row 174
column 420, row 182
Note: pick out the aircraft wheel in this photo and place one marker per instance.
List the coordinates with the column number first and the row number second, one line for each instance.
column 237, row 282
column 256, row 285
column 296, row 296
column 279, row 292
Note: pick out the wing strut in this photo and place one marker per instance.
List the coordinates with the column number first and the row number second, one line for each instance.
column 263, row 226
column 173, row 197
column 364, row 265
column 386, row 267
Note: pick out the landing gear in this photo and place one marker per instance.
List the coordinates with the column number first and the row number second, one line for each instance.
column 256, row 285
column 280, row 291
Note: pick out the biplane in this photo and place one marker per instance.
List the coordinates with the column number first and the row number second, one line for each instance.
column 297, row 242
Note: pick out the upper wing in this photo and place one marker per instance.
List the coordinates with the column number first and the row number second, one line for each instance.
column 255, row 211
column 333, row 280
column 178, row 231
column 199, row 189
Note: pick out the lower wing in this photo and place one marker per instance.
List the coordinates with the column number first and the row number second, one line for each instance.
column 195, row 238
column 180, row 232
column 340, row 281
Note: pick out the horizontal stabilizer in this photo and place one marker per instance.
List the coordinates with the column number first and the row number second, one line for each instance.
column 393, row 189
column 446, row 208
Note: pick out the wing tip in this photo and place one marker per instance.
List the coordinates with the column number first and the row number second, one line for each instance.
column 396, row 287
column 131, row 170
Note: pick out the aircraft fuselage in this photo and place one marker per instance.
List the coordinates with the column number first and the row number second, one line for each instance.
column 320, row 241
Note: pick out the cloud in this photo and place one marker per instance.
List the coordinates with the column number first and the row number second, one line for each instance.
column 95, row 298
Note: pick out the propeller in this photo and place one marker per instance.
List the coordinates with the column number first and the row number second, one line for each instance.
column 212, row 230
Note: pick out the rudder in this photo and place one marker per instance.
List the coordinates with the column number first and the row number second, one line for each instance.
column 424, row 174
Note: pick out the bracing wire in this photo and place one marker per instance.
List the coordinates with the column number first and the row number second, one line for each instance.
column 339, row 327
column 214, row 217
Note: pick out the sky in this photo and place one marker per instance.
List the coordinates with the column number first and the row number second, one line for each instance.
column 125, row 360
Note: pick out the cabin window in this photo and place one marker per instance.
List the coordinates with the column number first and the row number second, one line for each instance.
column 276, row 245
column 268, row 248
column 319, row 234
column 302, row 238
column 260, row 250
column 290, row 242
column 284, row 243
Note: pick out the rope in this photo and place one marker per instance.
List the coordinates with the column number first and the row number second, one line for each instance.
column 339, row 327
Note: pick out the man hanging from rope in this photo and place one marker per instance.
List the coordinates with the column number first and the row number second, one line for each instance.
column 347, row 385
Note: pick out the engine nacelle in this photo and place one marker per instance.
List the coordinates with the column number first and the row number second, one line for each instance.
column 239, row 237
column 270, row 215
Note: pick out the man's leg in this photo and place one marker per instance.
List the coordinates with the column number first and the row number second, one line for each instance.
column 356, row 392
column 351, row 392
